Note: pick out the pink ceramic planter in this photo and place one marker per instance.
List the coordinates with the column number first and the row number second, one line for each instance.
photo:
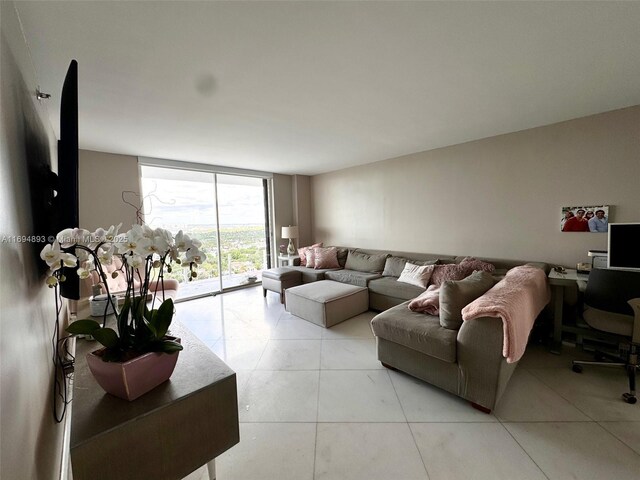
column 132, row 379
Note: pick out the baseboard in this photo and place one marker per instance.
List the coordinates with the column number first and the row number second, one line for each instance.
column 65, row 456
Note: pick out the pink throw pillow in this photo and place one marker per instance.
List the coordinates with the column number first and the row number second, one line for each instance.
column 302, row 252
column 326, row 257
column 310, row 257
column 473, row 264
column 448, row 271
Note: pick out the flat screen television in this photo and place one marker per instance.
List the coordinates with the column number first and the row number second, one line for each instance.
column 624, row 246
column 67, row 202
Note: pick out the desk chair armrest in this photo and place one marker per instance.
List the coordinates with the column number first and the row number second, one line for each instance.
column 635, row 304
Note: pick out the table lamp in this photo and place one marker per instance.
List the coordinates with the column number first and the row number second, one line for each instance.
column 290, row 233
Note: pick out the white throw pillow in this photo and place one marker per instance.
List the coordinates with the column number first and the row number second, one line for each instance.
column 418, row 275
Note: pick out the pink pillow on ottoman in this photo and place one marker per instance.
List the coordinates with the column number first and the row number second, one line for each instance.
column 448, row 271
column 302, row 251
column 326, row 257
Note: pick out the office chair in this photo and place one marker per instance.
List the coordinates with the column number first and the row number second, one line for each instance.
column 612, row 306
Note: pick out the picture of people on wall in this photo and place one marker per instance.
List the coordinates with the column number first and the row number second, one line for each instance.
column 594, row 219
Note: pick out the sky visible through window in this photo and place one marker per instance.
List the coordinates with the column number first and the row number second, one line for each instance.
column 181, row 203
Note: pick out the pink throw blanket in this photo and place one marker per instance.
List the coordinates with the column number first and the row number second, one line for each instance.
column 517, row 299
column 427, row 302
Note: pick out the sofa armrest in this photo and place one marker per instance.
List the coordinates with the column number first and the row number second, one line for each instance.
column 169, row 284
column 484, row 372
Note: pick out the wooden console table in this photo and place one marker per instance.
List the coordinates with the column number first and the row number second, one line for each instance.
column 167, row 433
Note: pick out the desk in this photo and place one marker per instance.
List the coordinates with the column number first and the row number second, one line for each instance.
column 559, row 281
column 287, row 260
column 167, row 433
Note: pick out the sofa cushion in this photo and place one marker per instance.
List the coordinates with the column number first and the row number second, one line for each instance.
column 352, row 277
column 455, row 295
column 394, row 265
column 310, row 275
column 364, row 262
column 326, row 257
column 391, row 287
column 416, row 274
column 343, row 253
column 417, row 331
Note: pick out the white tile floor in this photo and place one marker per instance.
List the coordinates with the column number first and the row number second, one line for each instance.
column 316, row 404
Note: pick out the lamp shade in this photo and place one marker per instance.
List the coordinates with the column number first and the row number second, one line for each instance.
column 289, row 232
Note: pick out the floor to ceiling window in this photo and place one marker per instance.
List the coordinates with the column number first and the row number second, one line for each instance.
column 227, row 213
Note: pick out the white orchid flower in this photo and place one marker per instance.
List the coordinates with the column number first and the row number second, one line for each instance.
column 147, row 231
column 83, row 255
column 100, row 235
column 161, row 243
column 144, row 247
column 56, row 258
column 51, row 253
column 66, row 238
column 82, row 236
column 135, row 232
column 164, row 235
column 182, row 242
column 196, row 256
column 126, row 243
column 174, row 254
column 112, row 233
column 135, row 261
column 105, row 255
column 69, row 260
column 51, row 281
column 83, row 273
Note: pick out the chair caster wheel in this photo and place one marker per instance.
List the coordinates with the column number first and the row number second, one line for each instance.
column 630, row 399
column 577, row 368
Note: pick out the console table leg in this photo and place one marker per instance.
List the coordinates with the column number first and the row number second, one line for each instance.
column 211, row 468
column 557, row 319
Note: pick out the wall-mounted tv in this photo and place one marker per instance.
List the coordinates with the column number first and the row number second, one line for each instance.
column 67, row 199
column 624, row 246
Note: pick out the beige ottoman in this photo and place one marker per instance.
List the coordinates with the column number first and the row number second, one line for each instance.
column 326, row 302
column 279, row 279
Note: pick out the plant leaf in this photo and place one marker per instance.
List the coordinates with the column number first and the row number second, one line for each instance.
column 83, row 327
column 162, row 319
column 150, row 327
column 123, row 318
column 169, row 346
column 106, row 336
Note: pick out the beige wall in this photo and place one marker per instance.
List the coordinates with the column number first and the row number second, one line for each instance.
column 282, row 209
column 103, row 177
column 496, row 197
column 301, row 185
column 31, row 442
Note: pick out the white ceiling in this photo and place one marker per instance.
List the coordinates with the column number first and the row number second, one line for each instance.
column 310, row 87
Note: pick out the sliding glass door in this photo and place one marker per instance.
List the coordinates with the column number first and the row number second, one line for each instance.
column 227, row 213
column 241, row 220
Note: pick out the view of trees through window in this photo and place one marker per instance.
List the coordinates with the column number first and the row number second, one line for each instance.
column 186, row 200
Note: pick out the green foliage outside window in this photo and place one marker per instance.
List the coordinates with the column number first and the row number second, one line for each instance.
column 243, row 249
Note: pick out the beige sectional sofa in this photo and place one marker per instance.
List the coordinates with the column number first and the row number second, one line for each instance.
column 466, row 361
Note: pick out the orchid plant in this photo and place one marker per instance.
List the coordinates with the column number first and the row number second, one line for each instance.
column 145, row 254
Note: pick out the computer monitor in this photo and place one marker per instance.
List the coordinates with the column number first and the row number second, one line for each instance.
column 624, row 246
